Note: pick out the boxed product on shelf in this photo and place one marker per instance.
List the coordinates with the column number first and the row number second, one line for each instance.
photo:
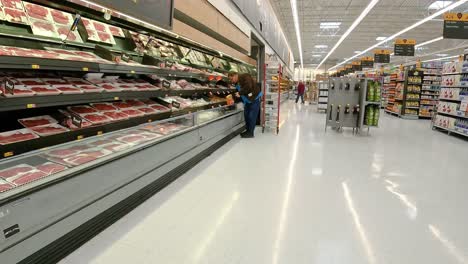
column 14, row 136
column 445, row 122
column 464, row 105
column 103, row 107
column 450, row 93
column 447, row 107
column 451, row 80
column 37, row 121
column 452, row 67
column 116, row 31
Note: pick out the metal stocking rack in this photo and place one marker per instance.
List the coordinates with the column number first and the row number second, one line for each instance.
column 347, row 104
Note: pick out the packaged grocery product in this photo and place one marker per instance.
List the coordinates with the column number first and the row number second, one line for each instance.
column 45, row 90
column 90, row 88
column 116, row 31
column 16, row 136
column 44, row 28
column 104, row 107
column 50, row 168
column 133, row 112
column 116, row 115
column 37, row 121
column 82, row 109
column 47, row 130
column 16, row 170
column 61, row 18
column 67, row 35
column 96, row 118
column 37, row 11
column 15, row 16
column 5, row 186
column 69, row 89
column 15, row 4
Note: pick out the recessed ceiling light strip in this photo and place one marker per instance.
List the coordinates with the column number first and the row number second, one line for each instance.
column 417, row 24
column 350, row 29
column 429, row 42
column 298, row 31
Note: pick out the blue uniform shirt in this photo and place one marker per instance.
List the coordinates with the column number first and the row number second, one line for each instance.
column 245, row 99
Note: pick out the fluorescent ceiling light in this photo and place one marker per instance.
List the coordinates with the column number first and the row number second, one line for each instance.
column 417, row 24
column 380, row 38
column 439, row 59
column 350, row 29
column 298, row 30
column 441, row 55
column 439, row 5
column 357, row 51
column 321, row 46
column 316, row 55
column 429, row 42
column 330, row 25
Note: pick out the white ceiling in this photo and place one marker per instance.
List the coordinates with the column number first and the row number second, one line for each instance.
column 385, row 19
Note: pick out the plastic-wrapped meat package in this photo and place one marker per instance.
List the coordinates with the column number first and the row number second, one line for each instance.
column 20, row 92
column 16, row 136
column 104, row 107
column 61, row 153
column 116, row 31
column 110, row 88
column 16, row 4
column 90, row 88
column 64, row 32
column 96, row 119
column 128, row 87
column 2, row 15
column 30, row 81
column 116, row 146
column 160, row 108
column 48, row 130
column 148, row 102
column 82, row 109
column 37, row 121
column 98, row 26
column 61, row 18
column 16, row 16
column 84, row 157
column 76, row 81
column 116, row 115
column 147, row 110
column 122, row 105
column 45, row 90
column 27, row 177
column 38, row 11
column 133, row 112
column 44, row 28
column 147, row 87
column 5, row 186
column 16, row 170
column 135, row 102
column 50, row 168
column 54, row 81
column 183, row 84
column 133, row 139
column 68, row 89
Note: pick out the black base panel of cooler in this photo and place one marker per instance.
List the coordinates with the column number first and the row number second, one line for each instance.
column 68, row 243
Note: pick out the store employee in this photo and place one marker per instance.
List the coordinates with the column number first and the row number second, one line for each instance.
column 251, row 95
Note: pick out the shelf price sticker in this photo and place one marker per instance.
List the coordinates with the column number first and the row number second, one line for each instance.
column 35, row 66
column 404, row 47
column 456, row 26
column 8, row 154
column 80, row 137
column 132, row 72
column 85, row 69
column 99, row 133
column 116, row 98
column 31, row 106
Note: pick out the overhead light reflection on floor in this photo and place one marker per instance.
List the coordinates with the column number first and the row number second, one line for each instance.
column 287, row 193
column 357, row 223
column 412, row 209
column 453, row 250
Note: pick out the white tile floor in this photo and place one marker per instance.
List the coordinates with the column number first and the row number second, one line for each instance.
column 396, row 197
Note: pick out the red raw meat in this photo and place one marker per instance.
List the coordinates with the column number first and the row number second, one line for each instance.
column 116, row 31
column 97, row 118
column 37, row 121
column 60, row 153
column 104, row 37
column 27, row 177
column 147, row 110
column 69, row 90
column 45, row 90
column 79, row 82
column 13, row 4
column 56, row 82
column 83, row 109
column 10, row 172
column 86, row 22
column 48, row 130
column 109, row 87
column 133, row 112
column 64, row 52
column 15, row 16
column 135, row 103
column 37, row 11
column 5, row 186
column 125, row 86
column 101, row 142
column 85, row 54
column 122, row 105
column 133, row 139
column 50, row 168
column 44, row 26
column 90, row 88
column 16, row 136
column 22, row 92
column 114, row 147
column 60, row 17
column 115, row 115
column 5, row 52
column 99, row 26
column 31, row 82
column 103, row 107
column 160, row 108
column 64, row 32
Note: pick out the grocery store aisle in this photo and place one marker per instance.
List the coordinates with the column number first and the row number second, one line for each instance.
column 306, row 196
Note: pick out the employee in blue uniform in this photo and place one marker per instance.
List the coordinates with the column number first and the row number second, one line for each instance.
column 251, row 94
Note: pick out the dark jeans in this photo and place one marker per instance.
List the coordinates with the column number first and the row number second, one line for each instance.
column 301, row 96
column 251, row 111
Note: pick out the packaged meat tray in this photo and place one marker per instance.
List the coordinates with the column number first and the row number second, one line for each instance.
column 133, row 112
column 122, row 105
column 110, row 88
column 67, row 35
column 76, row 81
column 37, row 121
column 16, row 136
column 16, row 170
column 15, row 16
column 2, row 14
column 37, row 11
column 133, row 139
column 116, row 115
column 135, row 103
column 106, row 37
column 96, row 118
column 27, row 177
column 98, row 26
column 69, row 89
column 100, row 142
column 160, row 108
column 116, row 146
column 44, row 28
column 16, row 4
column 147, row 110
column 50, row 168
column 82, row 109
column 147, row 87
column 128, row 87
column 45, row 90
column 53, row 81
column 62, row 153
column 83, row 157
column 47, row 130
column 104, row 107
column 90, row 88
column 5, row 186
column 116, row 31
column 61, row 18
column 30, row 81
column 20, row 92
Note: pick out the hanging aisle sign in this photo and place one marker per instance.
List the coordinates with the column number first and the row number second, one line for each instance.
column 456, row 26
column 367, row 62
column 404, row 47
column 349, row 69
column 382, row 56
column 356, row 66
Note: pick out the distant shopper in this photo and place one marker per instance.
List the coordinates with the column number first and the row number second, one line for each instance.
column 300, row 92
column 250, row 93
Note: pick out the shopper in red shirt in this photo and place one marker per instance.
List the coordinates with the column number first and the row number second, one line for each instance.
column 300, row 92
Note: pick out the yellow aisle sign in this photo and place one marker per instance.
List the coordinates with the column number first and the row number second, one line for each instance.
column 456, row 17
column 405, row 42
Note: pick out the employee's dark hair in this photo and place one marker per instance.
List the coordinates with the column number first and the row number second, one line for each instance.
column 232, row 73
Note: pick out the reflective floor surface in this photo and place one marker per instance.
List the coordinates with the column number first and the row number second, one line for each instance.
column 397, row 196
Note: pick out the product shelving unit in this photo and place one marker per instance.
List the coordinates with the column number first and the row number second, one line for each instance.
column 430, row 89
column 323, row 90
column 273, row 96
column 389, row 91
column 452, row 108
column 101, row 172
column 407, row 94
